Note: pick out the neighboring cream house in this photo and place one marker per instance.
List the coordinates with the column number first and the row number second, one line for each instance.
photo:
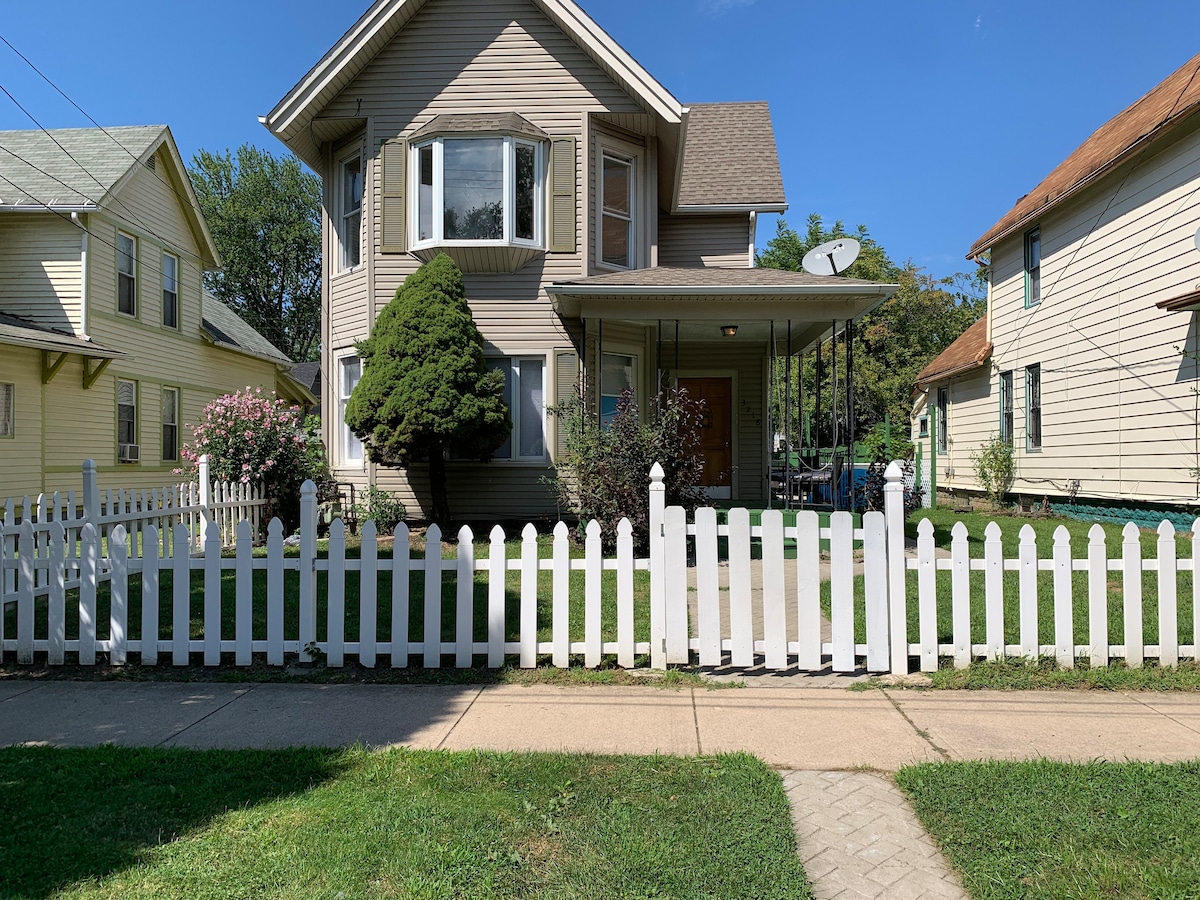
column 1089, row 360
column 109, row 346
column 605, row 230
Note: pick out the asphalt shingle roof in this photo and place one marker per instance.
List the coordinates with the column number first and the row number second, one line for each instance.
column 226, row 327
column 672, row 276
column 730, row 157
column 35, row 170
column 968, row 352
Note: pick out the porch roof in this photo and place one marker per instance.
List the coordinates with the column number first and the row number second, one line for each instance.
column 17, row 331
column 717, row 294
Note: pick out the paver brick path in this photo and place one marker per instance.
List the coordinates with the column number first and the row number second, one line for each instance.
column 859, row 838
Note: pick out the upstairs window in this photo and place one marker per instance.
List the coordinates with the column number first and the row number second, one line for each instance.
column 617, row 180
column 170, row 290
column 350, row 211
column 479, row 190
column 1006, row 407
column 1033, row 407
column 1033, row 268
column 126, row 274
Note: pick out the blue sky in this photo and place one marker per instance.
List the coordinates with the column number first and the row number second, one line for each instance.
column 923, row 120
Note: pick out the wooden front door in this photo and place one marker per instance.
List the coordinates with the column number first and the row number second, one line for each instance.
column 716, row 430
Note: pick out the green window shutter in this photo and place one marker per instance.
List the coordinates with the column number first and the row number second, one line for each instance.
column 566, row 374
column 393, row 156
column 563, row 224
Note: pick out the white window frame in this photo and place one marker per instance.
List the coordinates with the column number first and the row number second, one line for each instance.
column 134, row 406
column 637, row 375
column 514, row 382
column 349, row 444
column 132, row 275
column 627, row 156
column 173, row 424
column 346, row 241
column 540, row 162
column 173, row 291
column 8, row 410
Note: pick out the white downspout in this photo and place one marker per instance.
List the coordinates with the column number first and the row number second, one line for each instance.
column 83, row 278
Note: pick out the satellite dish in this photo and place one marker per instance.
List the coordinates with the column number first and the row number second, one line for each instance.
column 832, row 257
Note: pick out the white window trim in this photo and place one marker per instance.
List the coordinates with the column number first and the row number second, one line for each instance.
column 637, row 201
column 163, row 278
column 340, row 211
column 134, row 276
column 344, row 459
column 515, row 436
column 540, row 163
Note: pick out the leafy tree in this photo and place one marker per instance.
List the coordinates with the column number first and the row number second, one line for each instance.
column 891, row 344
column 425, row 387
column 264, row 215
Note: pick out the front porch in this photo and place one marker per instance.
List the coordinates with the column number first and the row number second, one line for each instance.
column 723, row 334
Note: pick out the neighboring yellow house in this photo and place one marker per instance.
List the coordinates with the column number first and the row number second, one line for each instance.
column 1088, row 365
column 109, row 346
column 605, row 231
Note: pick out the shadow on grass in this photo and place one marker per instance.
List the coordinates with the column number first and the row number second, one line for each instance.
column 82, row 815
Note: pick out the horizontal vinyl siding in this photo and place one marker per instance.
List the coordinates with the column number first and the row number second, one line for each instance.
column 972, row 418
column 20, row 455
column 704, row 241
column 40, row 269
column 1119, row 402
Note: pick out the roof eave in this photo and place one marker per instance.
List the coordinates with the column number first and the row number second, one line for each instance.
column 49, row 207
column 213, row 341
column 731, row 291
column 1189, row 302
column 716, row 208
column 923, row 381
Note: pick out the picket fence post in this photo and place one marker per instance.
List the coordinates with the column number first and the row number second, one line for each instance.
column 308, row 568
column 658, row 582
column 91, row 493
column 893, row 512
column 205, row 496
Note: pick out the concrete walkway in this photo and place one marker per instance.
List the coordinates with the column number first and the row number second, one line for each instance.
column 855, row 831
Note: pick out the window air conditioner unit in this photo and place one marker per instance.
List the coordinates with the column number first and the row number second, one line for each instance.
column 128, row 453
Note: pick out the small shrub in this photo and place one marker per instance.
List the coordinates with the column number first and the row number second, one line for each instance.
column 605, row 472
column 880, row 445
column 381, row 507
column 993, row 463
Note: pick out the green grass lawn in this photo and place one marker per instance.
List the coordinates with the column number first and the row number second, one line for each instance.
column 120, row 823
column 1060, row 831
column 384, row 603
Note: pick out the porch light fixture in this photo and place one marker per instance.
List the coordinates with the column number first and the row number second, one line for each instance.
column 729, row 330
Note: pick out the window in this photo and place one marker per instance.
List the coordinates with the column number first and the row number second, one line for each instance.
column 943, row 410
column 170, row 424
column 923, row 426
column 524, row 392
column 351, row 374
column 126, row 413
column 8, row 413
column 126, row 274
column 486, row 190
column 1006, row 407
column 618, row 374
column 170, row 289
column 350, row 225
column 616, row 211
column 1033, row 407
column 1033, row 268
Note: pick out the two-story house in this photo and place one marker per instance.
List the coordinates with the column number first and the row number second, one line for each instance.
column 1087, row 363
column 605, row 230
column 109, row 346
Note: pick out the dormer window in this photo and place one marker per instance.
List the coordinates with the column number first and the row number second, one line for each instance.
column 479, row 190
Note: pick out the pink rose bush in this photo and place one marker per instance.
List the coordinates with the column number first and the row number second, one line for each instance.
column 250, row 437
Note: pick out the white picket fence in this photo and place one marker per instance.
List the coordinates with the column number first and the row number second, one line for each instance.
column 742, row 611
column 193, row 504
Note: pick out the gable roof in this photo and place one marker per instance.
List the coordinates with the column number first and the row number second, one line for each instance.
column 36, row 174
column 384, row 20
column 1131, row 131
column 730, row 159
column 227, row 329
column 968, row 352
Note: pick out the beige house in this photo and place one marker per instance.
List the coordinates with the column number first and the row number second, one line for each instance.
column 109, row 346
column 605, row 230
column 1089, row 360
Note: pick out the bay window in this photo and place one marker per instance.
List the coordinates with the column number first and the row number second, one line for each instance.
column 479, row 190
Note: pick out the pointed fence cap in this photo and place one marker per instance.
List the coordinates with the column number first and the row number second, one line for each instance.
column 309, row 487
column 894, row 472
column 1166, row 528
column 529, row 532
column 497, row 534
column 656, row 473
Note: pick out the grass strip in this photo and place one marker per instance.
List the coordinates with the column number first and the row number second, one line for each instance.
column 125, row 823
column 1064, row 831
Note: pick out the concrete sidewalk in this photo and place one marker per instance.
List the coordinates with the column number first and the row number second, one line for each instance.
column 794, row 728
